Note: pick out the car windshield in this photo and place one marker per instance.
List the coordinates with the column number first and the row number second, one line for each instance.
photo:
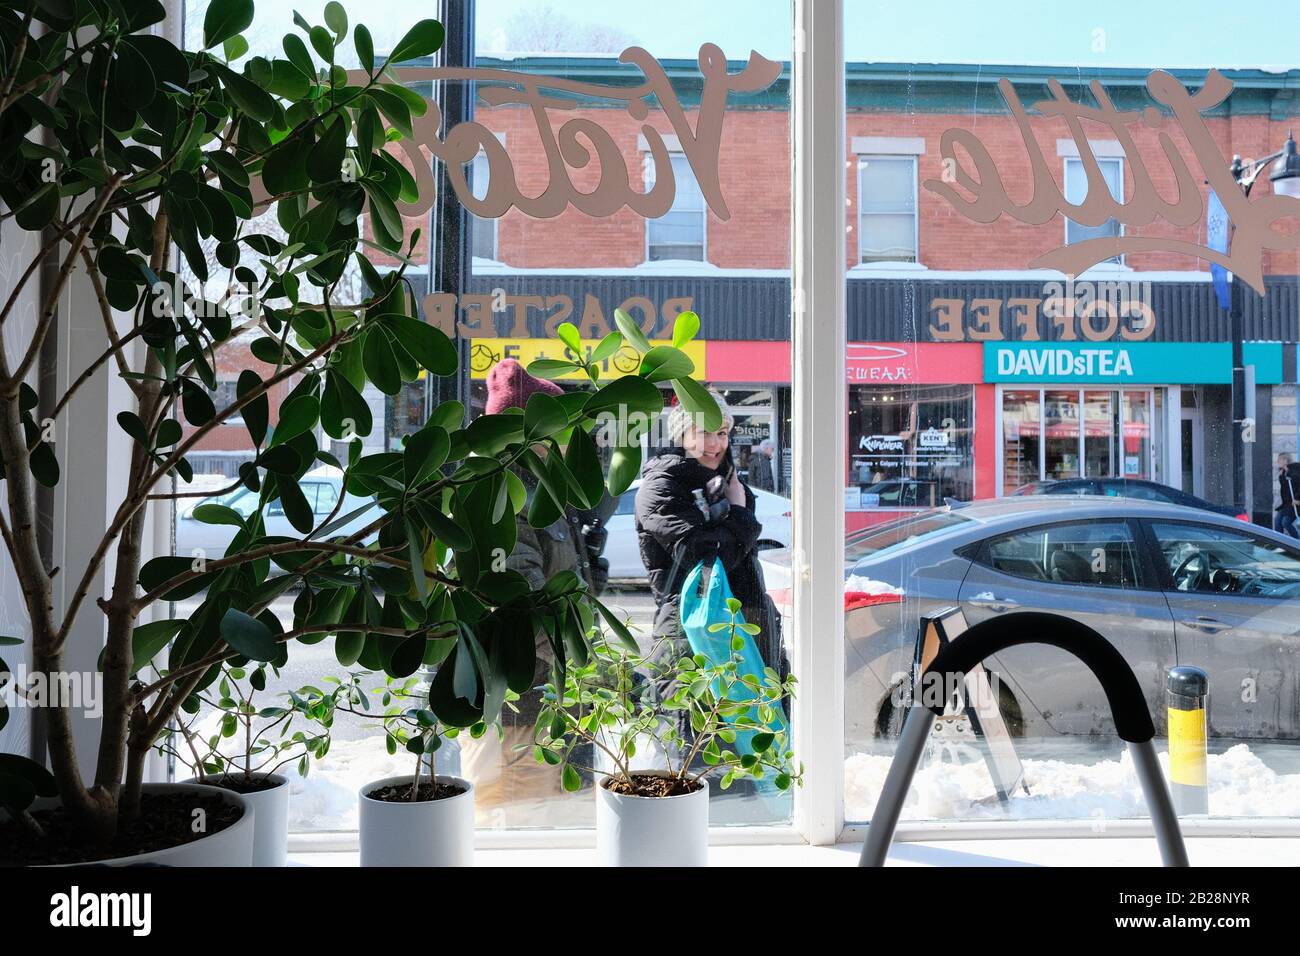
column 874, row 542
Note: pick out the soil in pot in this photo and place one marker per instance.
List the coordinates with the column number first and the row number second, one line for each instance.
column 166, row 820
column 401, row 792
column 653, row 785
column 240, row 784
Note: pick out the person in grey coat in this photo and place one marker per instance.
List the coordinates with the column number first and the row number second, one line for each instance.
column 505, row 778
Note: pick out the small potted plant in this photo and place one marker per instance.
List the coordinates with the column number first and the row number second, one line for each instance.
column 418, row 819
column 231, row 742
column 614, row 700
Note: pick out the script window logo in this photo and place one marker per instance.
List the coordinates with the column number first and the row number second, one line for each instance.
column 577, row 140
column 983, row 197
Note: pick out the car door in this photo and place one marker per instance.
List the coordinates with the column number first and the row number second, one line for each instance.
column 773, row 513
column 1090, row 572
column 622, row 547
column 1235, row 599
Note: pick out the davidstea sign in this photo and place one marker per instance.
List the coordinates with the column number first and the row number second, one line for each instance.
column 1148, row 363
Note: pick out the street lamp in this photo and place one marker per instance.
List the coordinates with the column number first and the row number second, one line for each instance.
column 1286, row 171
column 1285, row 180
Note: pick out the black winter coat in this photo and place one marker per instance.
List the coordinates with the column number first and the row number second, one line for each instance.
column 1288, row 481
column 669, row 524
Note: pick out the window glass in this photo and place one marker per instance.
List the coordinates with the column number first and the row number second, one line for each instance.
column 1099, row 555
column 887, row 191
column 1082, row 339
column 874, row 542
column 1076, row 190
column 1203, row 558
column 730, row 267
column 484, row 230
column 1127, row 489
column 679, row 233
column 1022, row 436
column 909, row 447
column 1061, row 420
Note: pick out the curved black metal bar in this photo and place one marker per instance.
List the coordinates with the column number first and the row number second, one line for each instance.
column 1123, row 692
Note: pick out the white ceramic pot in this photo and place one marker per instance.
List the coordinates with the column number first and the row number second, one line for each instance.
column 232, row 846
column 270, row 819
column 652, row 831
column 423, row 833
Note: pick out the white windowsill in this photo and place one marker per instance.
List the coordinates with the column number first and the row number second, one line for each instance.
column 1078, row 851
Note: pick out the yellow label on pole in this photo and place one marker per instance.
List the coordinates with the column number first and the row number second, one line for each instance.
column 485, row 353
column 1187, row 747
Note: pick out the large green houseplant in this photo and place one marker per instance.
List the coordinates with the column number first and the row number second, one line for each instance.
column 120, row 155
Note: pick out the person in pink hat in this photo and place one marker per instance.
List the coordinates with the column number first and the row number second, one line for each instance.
column 503, row 777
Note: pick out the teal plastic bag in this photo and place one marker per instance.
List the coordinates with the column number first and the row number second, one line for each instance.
column 704, row 602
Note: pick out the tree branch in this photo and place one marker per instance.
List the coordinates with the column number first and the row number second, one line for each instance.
column 14, row 381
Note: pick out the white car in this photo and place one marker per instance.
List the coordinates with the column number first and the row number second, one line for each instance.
column 321, row 488
column 624, row 552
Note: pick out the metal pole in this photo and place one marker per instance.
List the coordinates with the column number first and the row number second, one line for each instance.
column 1238, row 397
column 1169, row 837
column 451, row 243
column 1248, row 436
column 884, row 820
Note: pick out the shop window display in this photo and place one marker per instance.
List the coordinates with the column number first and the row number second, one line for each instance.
column 910, row 447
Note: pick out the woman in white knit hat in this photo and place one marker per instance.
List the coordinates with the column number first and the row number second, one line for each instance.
column 676, row 530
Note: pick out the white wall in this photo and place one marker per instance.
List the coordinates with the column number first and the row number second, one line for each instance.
column 19, row 248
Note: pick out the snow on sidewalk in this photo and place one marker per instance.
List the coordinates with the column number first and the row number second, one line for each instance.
column 1241, row 785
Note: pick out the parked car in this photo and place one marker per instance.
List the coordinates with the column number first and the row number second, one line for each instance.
column 902, row 493
column 1128, row 488
column 1163, row 583
column 321, row 488
column 624, row 552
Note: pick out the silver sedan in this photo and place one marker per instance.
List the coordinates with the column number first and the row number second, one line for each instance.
column 1165, row 584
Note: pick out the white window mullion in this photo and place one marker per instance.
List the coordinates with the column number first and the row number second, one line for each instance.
column 820, row 424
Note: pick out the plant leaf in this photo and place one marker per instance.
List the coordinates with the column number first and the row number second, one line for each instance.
column 248, row 636
column 225, row 19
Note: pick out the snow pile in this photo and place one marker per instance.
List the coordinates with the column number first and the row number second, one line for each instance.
column 326, row 799
column 856, row 582
column 1241, row 785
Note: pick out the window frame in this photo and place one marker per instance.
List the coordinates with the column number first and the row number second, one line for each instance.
column 914, row 179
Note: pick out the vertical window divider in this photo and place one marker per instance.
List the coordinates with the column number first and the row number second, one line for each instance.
column 820, row 426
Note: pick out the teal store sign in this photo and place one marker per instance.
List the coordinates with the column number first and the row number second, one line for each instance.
column 1137, row 363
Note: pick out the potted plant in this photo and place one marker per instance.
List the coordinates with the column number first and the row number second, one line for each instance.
column 228, row 741
column 623, row 702
column 418, row 819
column 122, row 154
